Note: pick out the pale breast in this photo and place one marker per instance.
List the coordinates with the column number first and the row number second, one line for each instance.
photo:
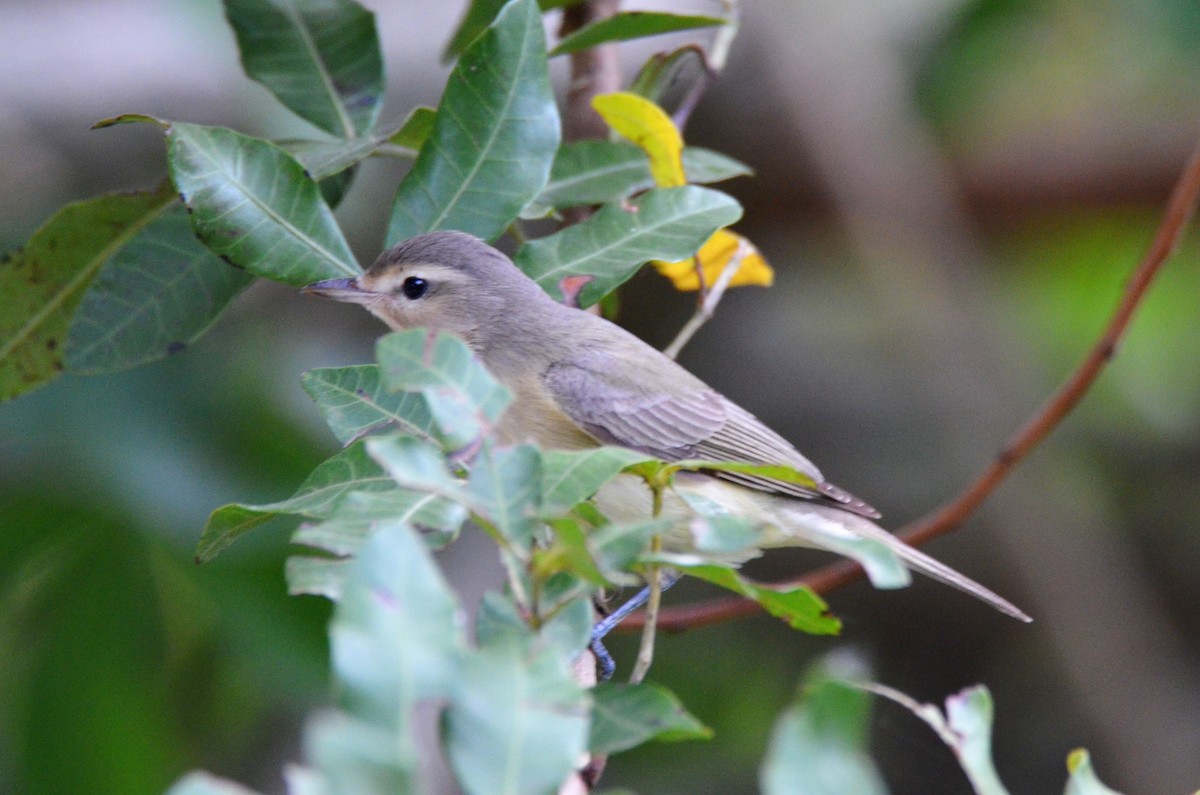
column 533, row 416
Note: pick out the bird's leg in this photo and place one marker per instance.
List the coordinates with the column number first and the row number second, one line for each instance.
column 604, row 661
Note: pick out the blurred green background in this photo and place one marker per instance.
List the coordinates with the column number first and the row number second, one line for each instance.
column 952, row 193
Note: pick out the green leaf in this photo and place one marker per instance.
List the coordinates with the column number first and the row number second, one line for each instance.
column 498, row 619
column 416, row 129
column 321, row 59
column 719, row 532
column 818, row 745
column 353, row 402
column 601, row 556
column 615, row 547
column 463, row 398
column 494, row 138
column 315, row 576
column 597, row 172
column 253, row 205
column 200, row 783
column 325, row 159
column 505, row 487
column 350, row 470
column 153, row 297
column 707, row 166
column 608, row 248
column 631, row 25
column 357, row 757
column 775, row 471
column 966, row 728
column 799, row 607
column 1083, row 779
column 516, row 723
column 969, row 718
column 625, row 716
column 396, row 636
column 415, row 464
column 570, row 629
column 670, row 73
column 360, row 512
column 476, row 19
column 569, row 553
column 44, row 282
column 571, row 476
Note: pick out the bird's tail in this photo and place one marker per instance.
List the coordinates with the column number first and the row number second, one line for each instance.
column 931, row 567
column 828, row 520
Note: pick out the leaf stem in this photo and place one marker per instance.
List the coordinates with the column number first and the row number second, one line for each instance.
column 645, row 654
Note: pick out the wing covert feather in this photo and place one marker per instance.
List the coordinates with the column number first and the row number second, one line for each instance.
column 679, row 418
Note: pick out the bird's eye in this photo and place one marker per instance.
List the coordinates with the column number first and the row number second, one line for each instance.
column 414, row 287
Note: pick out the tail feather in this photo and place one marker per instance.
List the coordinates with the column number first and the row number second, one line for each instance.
column 935, row 569
column 911, row 557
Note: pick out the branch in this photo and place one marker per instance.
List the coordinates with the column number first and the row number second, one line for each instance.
column 1180, row 207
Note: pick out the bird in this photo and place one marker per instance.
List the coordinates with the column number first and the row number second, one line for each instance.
column 579, row 381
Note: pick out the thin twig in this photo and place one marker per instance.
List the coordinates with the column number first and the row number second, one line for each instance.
column 706, row 308
column 1180, row 207
column 645, row 654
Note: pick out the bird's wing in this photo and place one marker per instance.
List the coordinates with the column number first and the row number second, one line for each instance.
column 680, row 418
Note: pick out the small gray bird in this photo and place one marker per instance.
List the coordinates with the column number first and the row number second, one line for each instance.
column 578, row 381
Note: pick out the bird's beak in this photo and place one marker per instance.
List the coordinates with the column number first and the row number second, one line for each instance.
column 340, row 290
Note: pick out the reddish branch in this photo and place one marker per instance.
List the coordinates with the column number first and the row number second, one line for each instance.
column 1179, row 210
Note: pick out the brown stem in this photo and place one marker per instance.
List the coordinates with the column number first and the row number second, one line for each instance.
column 1180, row 207
column 593, row 71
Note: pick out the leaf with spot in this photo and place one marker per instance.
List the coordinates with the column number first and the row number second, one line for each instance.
column 583, row 263
column 320, row 58
column 354, row 402
column 350, row 470
column 44, row 282
column 494, row 138
column 397, row 634
column 154, row 296
column 253, row 205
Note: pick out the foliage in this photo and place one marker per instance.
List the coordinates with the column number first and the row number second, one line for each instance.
column 122, row 280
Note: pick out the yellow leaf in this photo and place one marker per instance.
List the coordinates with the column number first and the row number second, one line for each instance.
column 648, row 126
column 714, row 256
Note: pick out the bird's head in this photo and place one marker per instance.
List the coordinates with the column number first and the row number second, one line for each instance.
column 447, row 281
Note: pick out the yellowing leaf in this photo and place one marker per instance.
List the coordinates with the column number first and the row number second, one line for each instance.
column 714, row 256
column 648, row 126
